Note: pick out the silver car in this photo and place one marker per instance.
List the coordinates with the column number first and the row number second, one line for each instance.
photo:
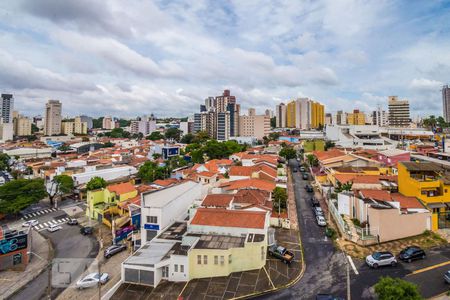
column 378, row 259
column 30, row 223
column 92, row 280
column 321, row 221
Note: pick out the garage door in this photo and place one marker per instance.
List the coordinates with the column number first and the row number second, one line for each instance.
column 139, row 276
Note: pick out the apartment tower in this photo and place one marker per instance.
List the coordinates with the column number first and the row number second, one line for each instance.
column 446, row 102
column 7, row 107
column 52, row 125
column 398, row 112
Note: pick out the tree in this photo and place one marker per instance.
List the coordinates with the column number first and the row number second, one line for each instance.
column 288, row 153
column 389, row 288
column 150, row 171
column 4, row 162
column 173, row 133
column 329, row 145
column 118, row 133
column 187, row 138
column 343, row 187
column 19, row 194
column 64, row 148
column 273, row 122
column 201, row 137
column 312, row 160
column 34, row 128
column 273, row 136
column 154, row 136
column 156, row 156
column 280, row 197
column 97, row 123
column 60, row 185
column 137, row 136
column 124, row 123
column 108, row 145
column 96, row 183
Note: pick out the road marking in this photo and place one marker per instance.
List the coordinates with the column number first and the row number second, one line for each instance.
column 45, row 224
column 429, row 268
column 33, row 214
column 46, row 211
column 40, row 226
column 273, row 286
column 352, row 264
column 39, row 212
column 54, row 222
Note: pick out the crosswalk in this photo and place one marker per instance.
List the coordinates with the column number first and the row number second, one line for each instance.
column 51, row 222
column 38, row 213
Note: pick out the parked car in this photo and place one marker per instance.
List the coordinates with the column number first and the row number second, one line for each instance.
column 281, row 253
column 72, row 222
column 302, row 169
column 92, row 280
column 447, row 276
column 86, row 230
column 318, row 211
column 114, row 249
column 314, row 202
column 30, row 223
column 53, row 228
column 309, row 188
column 305, row 176
column 378, row 259
column 321, row 221
column 294, row 170
column 412, row 253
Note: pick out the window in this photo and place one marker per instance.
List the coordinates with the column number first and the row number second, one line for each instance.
column 182, row 268
column 205, row 259
column 229, row 259
column 222, row 260
column 216, row 260
column 199, row 259
column 175, row 268
column 152, row 219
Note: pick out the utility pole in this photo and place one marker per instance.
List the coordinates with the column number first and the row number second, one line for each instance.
column 347, row 265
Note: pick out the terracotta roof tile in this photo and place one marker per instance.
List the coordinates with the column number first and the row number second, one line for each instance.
column 121, row 188
column 217, row 200
column 206, row 174
column 249, row 183
column 229, row 218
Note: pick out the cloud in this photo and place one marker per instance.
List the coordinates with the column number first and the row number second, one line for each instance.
column 425, row 85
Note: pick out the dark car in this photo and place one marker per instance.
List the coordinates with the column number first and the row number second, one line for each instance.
column 72, row 222
column 86, row 230
column 114, row 249
column 412, row 253
column 302, row 169
column 305, row 176
column 314, row 202
column 309, row 188
column 294, row 170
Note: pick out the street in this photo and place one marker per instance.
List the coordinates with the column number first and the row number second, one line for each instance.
column 326, row 266
column 67, row 243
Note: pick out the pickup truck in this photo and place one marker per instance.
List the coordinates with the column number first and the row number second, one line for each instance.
column 281, row 253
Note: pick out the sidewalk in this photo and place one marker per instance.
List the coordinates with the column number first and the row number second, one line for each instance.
column 13, row 281
column 292, row 207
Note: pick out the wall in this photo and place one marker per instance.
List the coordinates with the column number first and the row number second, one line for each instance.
column 394, row 226
column 179, row 260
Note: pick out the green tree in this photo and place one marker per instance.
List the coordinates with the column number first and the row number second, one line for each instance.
column 150, row 171
column 273, row 122
column 96, row 183
column 118, row 133
column 201, row 137
column 156, row 156
column 64, row 148
column 274, row 136
column 312, row 160
column 343, row 187
column 4, row 162
column 430, row 122
column 124, row 123
column 97, row 123
column 154, row 136
column 19, row 194
column 108, row 145
column 389, row 288
column 288, row 153
column 187, row 138
column 34, row 128
column 280, row 197
column 329, row 145
column 173, row 133
column 60, row 185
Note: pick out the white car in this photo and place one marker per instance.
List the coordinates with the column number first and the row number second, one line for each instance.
column 378, row 259
column 30, row 223
column 321, row 221
column 92, row 279
column 53, row 228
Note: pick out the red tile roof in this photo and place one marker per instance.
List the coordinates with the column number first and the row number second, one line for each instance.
column 240, row 171
column 206, row 174
column 229, row 218
column 218, row 200
column 362, row 178
column 166, row 182
column 249, row 183
column 324, row 155
column 383, row 195
column 121, row 188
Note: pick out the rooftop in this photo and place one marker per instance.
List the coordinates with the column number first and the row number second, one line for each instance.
column 413, row 166
column 162, row 197
column 219, row 242
column 229, row 218
column 174, row 232
column 218, row 200
column 121, row 188
column 150, row 253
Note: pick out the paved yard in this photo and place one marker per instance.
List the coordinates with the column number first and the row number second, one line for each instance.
column 165, row 290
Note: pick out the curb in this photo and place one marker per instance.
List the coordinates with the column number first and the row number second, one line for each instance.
column 49, row 258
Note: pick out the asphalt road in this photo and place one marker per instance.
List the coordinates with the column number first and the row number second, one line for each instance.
column 67, row 243
column 326, row 266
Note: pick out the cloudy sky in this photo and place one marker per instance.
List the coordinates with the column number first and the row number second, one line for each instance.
column 129, row 58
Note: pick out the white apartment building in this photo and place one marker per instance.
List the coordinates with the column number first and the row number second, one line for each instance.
column 108, row 122
column 254, row 125
column 145, row 127
column 52, row 125
column 22, row 125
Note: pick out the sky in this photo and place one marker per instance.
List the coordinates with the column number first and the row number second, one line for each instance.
column 136, row 57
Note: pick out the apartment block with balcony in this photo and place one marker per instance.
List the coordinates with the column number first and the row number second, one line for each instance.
column 430, row 184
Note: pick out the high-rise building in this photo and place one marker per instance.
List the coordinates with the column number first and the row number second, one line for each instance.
column 52, row 125
column 144, row 125
column 280, row 117
column 22, row 125
column 356, row 118
column 291, row 114
column 328, row 119
column 302, row 113
column 446, row 102
column 108, row 123
column 269, row 113
column 88, row 120
column 6, row 108
column 254, row 125
column 380, row 117
column 80, row 126
column 398, row 112
column 340, row 118
column 219, row 116
column 317, row 115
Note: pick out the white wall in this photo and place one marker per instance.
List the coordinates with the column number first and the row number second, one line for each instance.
column 179, row 260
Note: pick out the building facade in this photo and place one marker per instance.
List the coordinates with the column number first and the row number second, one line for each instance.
column 108, row 123
column 254, row 125
column 399, row 115
column 7, row 107
column 380, row 117
column 356, row 118
column 280, row 117
column 446, row 102
column 52, row 125
column 22, row 126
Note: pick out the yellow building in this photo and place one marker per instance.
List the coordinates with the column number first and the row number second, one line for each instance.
column 317, row 114
column 356, row 118
column 291, row 114
column 103, row 203
column 425, row 180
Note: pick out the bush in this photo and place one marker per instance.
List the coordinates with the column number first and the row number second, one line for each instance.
column 356, row 222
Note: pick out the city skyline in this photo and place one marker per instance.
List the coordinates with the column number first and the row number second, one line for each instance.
column 179, row 54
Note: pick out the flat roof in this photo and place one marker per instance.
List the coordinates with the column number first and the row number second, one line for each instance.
column 162, row 197
column 421, row 166
column 174, row 231
column 208, row 241
column 150, row 253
